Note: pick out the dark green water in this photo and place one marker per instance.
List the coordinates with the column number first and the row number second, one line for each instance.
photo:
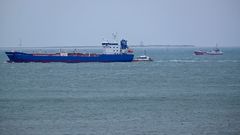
column 177, row 94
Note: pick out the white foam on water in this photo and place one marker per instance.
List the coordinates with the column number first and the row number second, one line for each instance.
column 196, row 61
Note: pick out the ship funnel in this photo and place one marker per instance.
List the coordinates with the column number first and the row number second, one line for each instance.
column 124, row 44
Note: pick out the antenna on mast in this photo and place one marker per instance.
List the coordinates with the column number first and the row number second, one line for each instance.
column 114, row 36
column 20, row 44
column 141, row 43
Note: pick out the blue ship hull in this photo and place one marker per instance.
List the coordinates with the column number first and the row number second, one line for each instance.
column 71, row 58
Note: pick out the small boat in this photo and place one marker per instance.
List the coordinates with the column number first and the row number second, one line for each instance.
column 200, row 52
column 143, row 58
column 215, row 52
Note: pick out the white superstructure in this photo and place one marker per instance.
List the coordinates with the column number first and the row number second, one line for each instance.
column 111, row 48
column 115, row 48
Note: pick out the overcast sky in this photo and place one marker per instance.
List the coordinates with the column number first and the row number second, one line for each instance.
column 87, row 22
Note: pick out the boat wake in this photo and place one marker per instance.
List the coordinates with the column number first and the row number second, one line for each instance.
column 197, row 61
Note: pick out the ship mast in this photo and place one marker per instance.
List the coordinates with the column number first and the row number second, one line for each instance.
column 20, row 44
column 114, row 37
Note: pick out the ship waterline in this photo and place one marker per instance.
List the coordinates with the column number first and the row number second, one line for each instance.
column 72, row 58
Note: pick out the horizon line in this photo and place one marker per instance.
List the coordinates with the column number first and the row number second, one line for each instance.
column 97, row 46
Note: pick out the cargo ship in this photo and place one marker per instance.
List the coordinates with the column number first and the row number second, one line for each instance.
column 112, row 52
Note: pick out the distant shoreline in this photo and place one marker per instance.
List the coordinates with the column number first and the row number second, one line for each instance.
column 131, row 46
column 98, row 47
column 162, row 46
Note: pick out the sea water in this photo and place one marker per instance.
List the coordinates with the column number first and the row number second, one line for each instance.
column 176, row 94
